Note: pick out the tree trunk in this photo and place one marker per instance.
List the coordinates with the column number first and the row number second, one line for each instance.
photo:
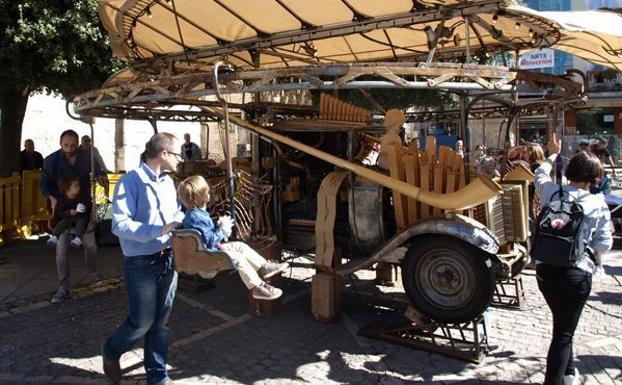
column 13, row 102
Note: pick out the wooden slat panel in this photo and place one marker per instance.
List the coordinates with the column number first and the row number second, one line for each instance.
column 451, row 181
column 424, row 181
column 438, row 184
column 444, row 153
column 396, row 170
column 430, row 146
column 411, row 161
column 460, row 176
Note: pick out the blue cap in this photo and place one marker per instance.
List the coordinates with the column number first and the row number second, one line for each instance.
column 584, row 142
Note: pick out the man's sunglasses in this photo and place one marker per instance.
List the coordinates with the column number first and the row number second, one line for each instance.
column 176, row 154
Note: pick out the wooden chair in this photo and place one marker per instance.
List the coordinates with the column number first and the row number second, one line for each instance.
column 192, row 258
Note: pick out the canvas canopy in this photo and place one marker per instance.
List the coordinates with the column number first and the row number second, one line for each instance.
column 284, row 33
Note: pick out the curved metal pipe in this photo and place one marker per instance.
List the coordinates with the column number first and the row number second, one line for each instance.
column 228, row 157
column 583, row 76
column 473, row 194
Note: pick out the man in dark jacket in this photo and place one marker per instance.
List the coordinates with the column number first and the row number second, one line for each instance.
column 190, row 151
column 69, row 161
column 30, row 159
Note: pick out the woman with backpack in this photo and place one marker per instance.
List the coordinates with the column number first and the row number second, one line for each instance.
column 565, row 264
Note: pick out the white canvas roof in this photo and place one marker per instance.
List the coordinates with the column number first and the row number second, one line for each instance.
column 302, row 32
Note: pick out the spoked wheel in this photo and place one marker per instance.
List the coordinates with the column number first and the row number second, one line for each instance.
column 447, row 279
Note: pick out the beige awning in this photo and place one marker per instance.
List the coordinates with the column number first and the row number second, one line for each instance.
column 302, row 32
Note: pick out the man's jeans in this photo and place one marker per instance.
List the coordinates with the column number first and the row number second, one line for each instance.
column 565, row 290
column 62, row 264
column 151, row 282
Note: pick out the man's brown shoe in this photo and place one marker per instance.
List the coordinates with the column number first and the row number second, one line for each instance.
column 112, row 370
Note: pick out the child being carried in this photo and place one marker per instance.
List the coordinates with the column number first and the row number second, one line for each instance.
column 193, row 193
column 72, row 209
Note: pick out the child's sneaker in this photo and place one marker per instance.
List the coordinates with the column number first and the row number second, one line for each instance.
column 272, row 268
column 266, row 292
column 76, row 242
column 53, row 241
column 98, row 279
column 60, row 296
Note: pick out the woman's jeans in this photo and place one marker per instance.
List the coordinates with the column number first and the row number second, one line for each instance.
column 565, row 290
column 151, row 282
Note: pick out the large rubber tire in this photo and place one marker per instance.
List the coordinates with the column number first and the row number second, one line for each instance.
column 447, row 279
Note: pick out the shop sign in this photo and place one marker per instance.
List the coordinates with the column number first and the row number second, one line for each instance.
column 541, row 58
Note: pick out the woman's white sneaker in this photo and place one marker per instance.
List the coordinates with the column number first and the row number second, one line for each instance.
column 572, row 379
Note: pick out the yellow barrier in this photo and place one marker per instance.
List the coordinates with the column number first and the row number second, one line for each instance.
column 100, row 196
column 9, row 203
column 33, row 201
column 22, row 204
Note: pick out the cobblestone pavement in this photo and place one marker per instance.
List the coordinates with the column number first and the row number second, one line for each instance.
column 215, row 341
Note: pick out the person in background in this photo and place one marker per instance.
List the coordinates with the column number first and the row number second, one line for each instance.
column 584, row 145
column 69, row 161
column 534, row 155
column 190, row 151
column 30, row 159
column 145, row 211
column 566, row 289
column 479, row 151
column 600, row 150
column 460, row 148
column 87, row 145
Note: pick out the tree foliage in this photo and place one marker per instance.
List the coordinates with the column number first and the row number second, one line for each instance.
column 56, row 45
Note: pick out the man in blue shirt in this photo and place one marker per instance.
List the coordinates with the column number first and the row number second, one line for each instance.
column 145, row 211
column 69, row 161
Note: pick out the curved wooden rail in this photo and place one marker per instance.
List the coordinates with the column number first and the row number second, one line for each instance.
column 477, row 192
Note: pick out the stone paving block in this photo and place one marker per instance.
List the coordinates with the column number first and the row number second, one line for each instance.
column 214, row 341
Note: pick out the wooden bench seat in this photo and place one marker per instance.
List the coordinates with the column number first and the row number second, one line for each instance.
column 192, row 258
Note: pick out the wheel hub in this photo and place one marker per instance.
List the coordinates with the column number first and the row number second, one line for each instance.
column 446, row 279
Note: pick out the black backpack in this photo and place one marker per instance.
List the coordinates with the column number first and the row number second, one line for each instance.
column 558, row 239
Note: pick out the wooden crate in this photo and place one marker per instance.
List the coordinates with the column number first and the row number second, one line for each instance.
column 263, row 308
column 326, row 297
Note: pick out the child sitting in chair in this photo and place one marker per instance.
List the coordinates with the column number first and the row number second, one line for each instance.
column 72, row 209
column 253, row 268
